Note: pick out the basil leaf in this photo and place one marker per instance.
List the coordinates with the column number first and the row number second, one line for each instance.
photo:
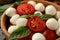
column 20, row 33
column 25, row 16
column 3, row 8
column 43, row 17
column 18, row 3
column 30, row 16
column 46, row 17
column 38, row 14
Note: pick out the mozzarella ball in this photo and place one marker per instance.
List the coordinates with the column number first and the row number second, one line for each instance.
column 51, row 10
column 39, row 7
column 12, row 29
column 32, row 3
column 14, row 19
column 21, row 22
column 38, row 12
column 58, row 15
column 10, row 11
column 52, row 24
column 59, row 22
column 58, row 32
column 38, row 36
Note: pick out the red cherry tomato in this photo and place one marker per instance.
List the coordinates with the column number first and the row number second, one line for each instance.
column 25, row 9
column 36, row 24
column 49, row 34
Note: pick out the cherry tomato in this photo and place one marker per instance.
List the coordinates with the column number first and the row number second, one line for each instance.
column 25, row 9
column 49, row 34
column 36, row 24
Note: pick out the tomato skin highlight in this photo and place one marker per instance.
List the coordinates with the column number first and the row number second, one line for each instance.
column 25, row 9
column 49, row 34
column 36, row 24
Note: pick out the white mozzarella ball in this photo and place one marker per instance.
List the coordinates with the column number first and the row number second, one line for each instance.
column 58, row 31
column 59, row 22
column 38, row 36
column 10, row 11
column 32, row 3
column 12, row 29
column 52, row 24
column 21, row 22
column 38, row 12
column 39, row 7
column 58, row 15
column 14, row 19
column 51, row 10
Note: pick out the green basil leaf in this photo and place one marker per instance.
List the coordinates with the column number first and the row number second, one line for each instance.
column 25, row 16
column 20, row 33
column 30, row 16
column 46, row 17
column 4, row 7
column 43, row 17
column 38, row 14
column 18, row 3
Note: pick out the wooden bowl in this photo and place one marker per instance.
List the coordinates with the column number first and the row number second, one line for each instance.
column 4, row 18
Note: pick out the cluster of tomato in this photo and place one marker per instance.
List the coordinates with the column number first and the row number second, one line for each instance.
column 35, row 24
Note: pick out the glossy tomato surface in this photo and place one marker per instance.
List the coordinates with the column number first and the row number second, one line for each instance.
column 49, row 34
column 36, row 24
column 25, row 9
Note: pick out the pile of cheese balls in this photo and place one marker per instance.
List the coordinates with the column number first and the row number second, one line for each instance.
column 52, row 23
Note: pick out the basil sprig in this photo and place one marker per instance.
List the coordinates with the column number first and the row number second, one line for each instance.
column 46, row 17
column 18, row 3
column 30, row 16
column 20, row 33
column 43, row 17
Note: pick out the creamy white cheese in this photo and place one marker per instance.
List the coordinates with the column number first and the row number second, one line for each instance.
column 58, row 31
column 38, row 36
column 52, row 24
column 21, row 22
column 51, row 10
column 32, row 3
column 58, row 14
column 12, row 29
column 59, row 22
column 10, row 11
column 39, row 7
column 38, row 12
column 14, row 19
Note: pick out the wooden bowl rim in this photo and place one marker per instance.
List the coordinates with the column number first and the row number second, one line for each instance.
column 2, row 18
